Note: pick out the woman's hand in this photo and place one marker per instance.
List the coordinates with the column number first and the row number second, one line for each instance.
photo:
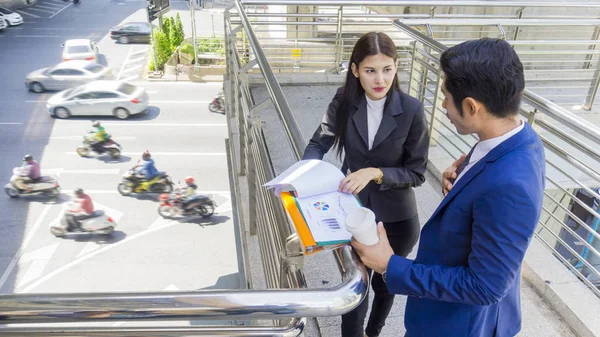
column 356, row 181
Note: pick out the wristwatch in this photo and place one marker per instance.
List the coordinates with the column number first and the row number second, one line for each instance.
column 379, row 179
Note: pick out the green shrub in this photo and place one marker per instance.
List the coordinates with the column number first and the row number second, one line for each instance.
column 163, row 50
column 187, row 48
column 177, row 34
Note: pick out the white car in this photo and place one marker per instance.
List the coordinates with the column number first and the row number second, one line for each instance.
column 2, row 24
column 99, row 98
column 80, row 49
column 11, row 18
column 66, row 75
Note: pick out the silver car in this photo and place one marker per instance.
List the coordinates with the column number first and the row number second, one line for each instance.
column 66, row 75
column 80, row 49
column 99, row 98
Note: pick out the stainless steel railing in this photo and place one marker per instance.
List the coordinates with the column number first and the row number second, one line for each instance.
column 561, row 61
column 572, row 160
column 285, row 302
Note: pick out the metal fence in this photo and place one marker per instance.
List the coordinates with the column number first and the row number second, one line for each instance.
column 287, row 299
column 557, row 41
column 571, row 155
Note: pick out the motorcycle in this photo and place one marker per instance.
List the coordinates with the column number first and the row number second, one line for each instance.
column 171, row 205
column 109, row 146
column 217, row 104
column 46, row 185
column 96, row 223
column 132, row 183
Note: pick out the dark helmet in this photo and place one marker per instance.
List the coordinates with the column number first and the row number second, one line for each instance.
column 96, row 124
column 146, row 155
column 28, row 157
column 79, row 192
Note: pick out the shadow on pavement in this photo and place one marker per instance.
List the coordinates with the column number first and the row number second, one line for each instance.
column 205, row 222
column 115, row 237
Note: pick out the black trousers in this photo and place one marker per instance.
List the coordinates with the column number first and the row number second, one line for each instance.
column 403, row 236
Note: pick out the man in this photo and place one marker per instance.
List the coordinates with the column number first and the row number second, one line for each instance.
column 147, row 170
column 30, row 174
column 465, row 279
column 84, row 209
column 100, row 136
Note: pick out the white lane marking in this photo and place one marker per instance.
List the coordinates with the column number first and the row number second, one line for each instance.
column 130, row 78
column 168, row 154
column 60, row 10
column 92, row 246
column 192, row 102
column 59, row 171
column 171, row 287
column 48, row 6
column 225, row 207
column 40, row 258
column 133, row 68
column 80, row 137
column 15, row 258
column 39, row 10
column 40, row 36
column 165, row 124
column 137, row 60
column 32, row 15
column 92, row 254
column 123, row 66
column 158, row 223
column 139, row 51
column 8, row 123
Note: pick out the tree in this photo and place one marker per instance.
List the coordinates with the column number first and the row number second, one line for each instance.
column 177, row 35
column 166, row 29
column 163, row 49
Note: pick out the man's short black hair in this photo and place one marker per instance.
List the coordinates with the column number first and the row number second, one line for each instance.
column 487, row 70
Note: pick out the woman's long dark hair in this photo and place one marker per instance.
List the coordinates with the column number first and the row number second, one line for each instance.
column 371, row 43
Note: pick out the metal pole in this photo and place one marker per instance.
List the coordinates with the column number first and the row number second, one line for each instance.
column 152, row 37
column 194, row 42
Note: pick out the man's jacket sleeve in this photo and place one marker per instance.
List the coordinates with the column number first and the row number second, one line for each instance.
column 504, row 221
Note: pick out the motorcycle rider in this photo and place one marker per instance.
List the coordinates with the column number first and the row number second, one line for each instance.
column 190, row 192
column 146, row 170
column 29, row 174
column 100, row 136
column 84, row 209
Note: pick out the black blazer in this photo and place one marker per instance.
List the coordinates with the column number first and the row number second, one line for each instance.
column 399, row 149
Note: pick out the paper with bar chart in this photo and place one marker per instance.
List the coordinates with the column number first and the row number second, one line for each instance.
column 308, row 191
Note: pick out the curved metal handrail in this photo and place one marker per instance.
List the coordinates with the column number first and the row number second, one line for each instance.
column 214, row 305
column 463, row 3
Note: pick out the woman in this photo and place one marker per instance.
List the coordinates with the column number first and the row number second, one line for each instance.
column 383, row 133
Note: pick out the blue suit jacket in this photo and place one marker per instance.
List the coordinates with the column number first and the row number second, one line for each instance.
column 465, row 279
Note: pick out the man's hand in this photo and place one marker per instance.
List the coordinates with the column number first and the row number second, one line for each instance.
column 356, row 181
column 378, row 255
column 449, row 175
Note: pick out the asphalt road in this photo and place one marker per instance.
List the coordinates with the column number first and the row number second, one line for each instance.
column 146, row 252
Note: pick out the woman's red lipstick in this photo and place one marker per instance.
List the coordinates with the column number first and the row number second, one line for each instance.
column 380, row 89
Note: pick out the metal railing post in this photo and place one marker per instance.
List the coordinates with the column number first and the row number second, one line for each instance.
column 339, row 41
column 519, row 16
column 591, row 95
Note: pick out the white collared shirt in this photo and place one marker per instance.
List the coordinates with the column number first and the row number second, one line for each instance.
column 374, row 116
column 484, row 147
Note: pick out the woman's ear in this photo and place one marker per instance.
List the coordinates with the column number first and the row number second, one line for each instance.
column 354, row 70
